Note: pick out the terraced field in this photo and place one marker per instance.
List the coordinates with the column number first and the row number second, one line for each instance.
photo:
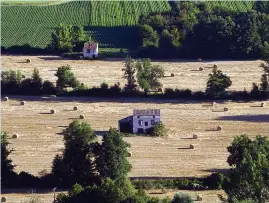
column 110, row 23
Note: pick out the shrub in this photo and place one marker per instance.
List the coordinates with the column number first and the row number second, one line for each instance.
column 48, row 88
column 104, row 85
column 66, row 78
column 215, row 180
column 159, row 130
column 181, row 198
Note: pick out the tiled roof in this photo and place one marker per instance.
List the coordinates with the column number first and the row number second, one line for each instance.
column 146, row 112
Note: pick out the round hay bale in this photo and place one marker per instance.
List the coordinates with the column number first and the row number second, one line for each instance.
column 15, row 136
column 23, row 76
column 214, row 103
column 199, row 59
column 22, row 103
column 199, row 198
column 5, row 98
column 75, row 108
column 160, row 90
column 195, row 136
column 129, row 154
column 225, row 109
column 201, row 69
column 192, row 146
column 82, row 84
column 262, row 104
column 215, row 66
column 81, row 117
column 3, row 199
column 28, row 61
column 172, row 75
column 219, row 128
column 52, row 111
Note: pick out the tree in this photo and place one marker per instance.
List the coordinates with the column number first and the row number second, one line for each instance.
column 78, row 38
column 36, row 81
column 111, row 156
column 148, row 75
column 129, row 74
column 264, row 86
column 149, row 37
column 248, row 179
column 76, row 165
column 11, row 81
column 108, row 191
column 7, row 167
column 66, row 78
column 182, row 198
column 62, row 38
column 217, row 83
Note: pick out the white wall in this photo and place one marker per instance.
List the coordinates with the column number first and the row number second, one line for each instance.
column 144, row 119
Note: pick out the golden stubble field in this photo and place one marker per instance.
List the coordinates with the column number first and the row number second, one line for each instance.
column 93, row 73
column 39, row 139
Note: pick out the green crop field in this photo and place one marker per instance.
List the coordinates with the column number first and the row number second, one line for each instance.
column 111, row 23
column 238, row 6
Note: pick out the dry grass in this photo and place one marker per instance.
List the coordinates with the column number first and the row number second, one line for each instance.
column 242, row 73
column 39, row 141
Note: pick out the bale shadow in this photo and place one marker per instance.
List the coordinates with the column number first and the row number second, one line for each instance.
column 60, row 133
column 155, row 193
column 256, row 106
column 74, row 118
column 248, row 118
column 211, row 130
column 44, row 113
column 22, row 62
column 62, row 126
column 15, row 105
column 195, row 70
column 187, row 138
column 68, row 110
column 218, row 111
column 183, row 148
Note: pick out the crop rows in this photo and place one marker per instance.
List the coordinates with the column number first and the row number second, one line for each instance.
column 33, row 25
column 239, row 6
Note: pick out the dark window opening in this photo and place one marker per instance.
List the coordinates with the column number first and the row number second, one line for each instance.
column 152, row 122
column 146, row 123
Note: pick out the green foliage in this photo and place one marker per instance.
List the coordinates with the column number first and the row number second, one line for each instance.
column 181, row 198
column 111, row 156
column 217, row 83
column 159, row 130
column 76, row 164
column 129, row 74
column 11, row 81
column 48, row 88
column 75, row 190
column 248, row 177
column 36, row 81
column 148, row 75
column 108, row 191
column 149, row 37
column 104, row 85
column 66, row 78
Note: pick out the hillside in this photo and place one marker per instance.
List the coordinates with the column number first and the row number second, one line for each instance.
column 110, row 23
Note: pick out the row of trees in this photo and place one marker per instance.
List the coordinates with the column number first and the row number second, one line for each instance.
column 191, row 29
column 140, row 74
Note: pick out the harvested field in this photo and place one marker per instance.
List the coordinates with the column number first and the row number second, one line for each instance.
column 242, row 73
column 40, row 138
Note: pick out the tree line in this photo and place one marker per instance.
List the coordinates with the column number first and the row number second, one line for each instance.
column 140, row 75
column 192, row 30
